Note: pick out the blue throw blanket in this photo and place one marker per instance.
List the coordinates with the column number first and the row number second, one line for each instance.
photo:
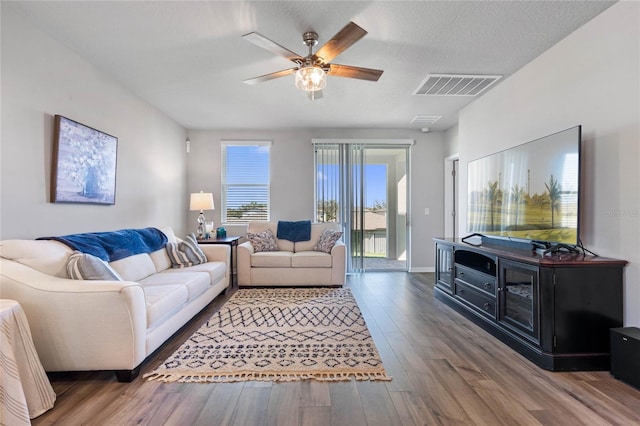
column 115, row 245
column 294, row 231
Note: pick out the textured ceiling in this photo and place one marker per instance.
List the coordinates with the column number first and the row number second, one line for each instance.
column 188, row 58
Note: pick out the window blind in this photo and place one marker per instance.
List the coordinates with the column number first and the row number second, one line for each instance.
column 245, row 181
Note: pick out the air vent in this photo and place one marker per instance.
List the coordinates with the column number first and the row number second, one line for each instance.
column 425, row 119
column 455, row 85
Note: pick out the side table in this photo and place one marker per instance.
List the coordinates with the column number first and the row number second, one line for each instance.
column 230, row 241
column 23, row 381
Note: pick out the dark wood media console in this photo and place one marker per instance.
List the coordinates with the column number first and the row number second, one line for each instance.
column 554, row 309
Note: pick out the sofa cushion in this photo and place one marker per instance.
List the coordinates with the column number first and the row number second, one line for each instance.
column 84, row 266
column 216, row 270
column 271, row 259
column 294, row 277
column 49, row 257
column 327, row 240
column 310, row 259
column 168, row 231
column 185, row 253
column 134, row 268
column 195, row 282
column 162, row 301
column 160, row 259
column 262, row 241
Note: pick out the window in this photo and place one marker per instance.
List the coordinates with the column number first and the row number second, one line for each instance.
column 245, row 183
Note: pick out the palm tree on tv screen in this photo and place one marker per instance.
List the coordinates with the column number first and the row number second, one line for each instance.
column 553, row 188
column 493, row 195
column 518, row 195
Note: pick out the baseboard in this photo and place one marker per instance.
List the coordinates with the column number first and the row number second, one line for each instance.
column 422, row 269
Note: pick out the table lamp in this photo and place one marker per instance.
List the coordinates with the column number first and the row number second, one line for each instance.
column 201, row 201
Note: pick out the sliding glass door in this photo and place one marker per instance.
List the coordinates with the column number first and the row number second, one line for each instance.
column 364, row 188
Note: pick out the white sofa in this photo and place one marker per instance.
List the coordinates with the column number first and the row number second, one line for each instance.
column 293, row 264
column 83, row 325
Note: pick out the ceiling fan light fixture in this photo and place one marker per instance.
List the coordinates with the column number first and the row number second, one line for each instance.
column 311, row 78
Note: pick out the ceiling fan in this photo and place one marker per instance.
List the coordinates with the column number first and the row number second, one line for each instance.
column 311, row 70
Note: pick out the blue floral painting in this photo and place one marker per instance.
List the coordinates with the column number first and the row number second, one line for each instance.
column 84, row 169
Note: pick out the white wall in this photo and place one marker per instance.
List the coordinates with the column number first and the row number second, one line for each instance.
column 590, row 78
column 292, row 177
column 41, row 78
column 451, row 141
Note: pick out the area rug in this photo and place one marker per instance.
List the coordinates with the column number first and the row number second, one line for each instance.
column 280, row 334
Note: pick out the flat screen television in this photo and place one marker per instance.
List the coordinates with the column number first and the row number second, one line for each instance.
column 528, row 192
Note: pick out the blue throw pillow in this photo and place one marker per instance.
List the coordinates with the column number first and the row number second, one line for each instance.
column 294, row 231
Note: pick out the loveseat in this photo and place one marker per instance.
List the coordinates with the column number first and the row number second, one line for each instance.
column 115, row 322
column 284, row 262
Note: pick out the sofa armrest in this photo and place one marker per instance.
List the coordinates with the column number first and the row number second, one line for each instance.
column 338, row 263
column 216, row 252
column 219, row 253
column 77, row 324
column 245, row 250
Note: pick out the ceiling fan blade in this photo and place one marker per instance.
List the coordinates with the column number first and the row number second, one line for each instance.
column 338, row 70
column 273, row 47
column 340, row 42
column 271, row 76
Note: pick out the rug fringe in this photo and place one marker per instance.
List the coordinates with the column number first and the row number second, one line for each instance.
column 265, row 377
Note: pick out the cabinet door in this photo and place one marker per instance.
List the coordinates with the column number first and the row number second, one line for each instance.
column 444, row 267
column 519, row 298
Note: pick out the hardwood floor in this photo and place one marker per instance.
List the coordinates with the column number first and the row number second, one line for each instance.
column 445, row 371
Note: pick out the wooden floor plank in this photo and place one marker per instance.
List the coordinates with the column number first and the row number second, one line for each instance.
column 221, row 405
column 377, row 404
column 412, row 409
column 316, row 416
column 513, row 413
column 284, row 404
column 445, row 369
column 475, row 408
column 252, row 406
column 346, row 406
column 392, row 366
column 314, row 394
column 438, row 398
column 410, row 359
column 193, row 401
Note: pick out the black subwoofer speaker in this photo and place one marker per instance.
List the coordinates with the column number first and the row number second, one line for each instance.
column 625, row 354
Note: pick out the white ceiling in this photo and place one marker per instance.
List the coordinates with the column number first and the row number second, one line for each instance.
column 188, row 59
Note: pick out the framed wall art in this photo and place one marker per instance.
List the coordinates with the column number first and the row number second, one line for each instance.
column 84, row 164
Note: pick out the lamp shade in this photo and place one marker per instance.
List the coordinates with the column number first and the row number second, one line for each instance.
column 201, row 201
column 311, row 78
